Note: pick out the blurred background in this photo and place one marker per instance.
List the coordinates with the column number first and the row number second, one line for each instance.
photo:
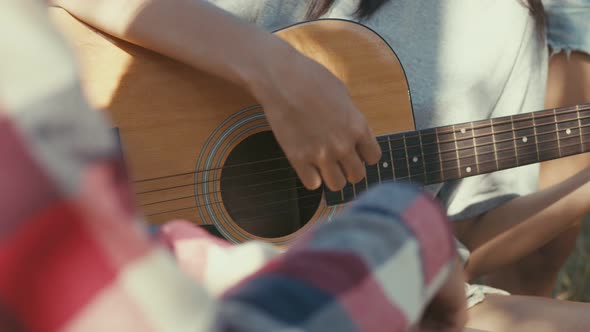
column 574, row 278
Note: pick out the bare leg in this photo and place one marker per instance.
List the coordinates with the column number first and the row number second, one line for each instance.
column 500, row 313
column 536, row 274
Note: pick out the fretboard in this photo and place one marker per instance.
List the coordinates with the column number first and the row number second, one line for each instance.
column 452, row 152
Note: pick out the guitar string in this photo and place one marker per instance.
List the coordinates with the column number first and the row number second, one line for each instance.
column 369, row 171
column 397, row 159
column 298, row 198
column 319, row 194
column 252, row 220
column 517, row 118
column 575, row 109
column 495, row 133
column 249, row 220
column 387, row 151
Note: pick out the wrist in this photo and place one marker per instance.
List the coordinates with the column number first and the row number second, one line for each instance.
column 264, row 71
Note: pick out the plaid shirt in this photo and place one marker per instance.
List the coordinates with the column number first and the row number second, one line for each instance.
column 75, row 257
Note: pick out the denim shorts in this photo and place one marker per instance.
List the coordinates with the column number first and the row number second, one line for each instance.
column 568, row 25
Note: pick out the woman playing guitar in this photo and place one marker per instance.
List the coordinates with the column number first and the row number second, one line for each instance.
column 462, row 64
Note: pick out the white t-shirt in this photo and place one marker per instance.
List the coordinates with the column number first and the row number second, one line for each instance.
column 465, row 60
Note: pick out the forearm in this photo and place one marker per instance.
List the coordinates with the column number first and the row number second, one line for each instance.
column 523, row 225
column 190, row 31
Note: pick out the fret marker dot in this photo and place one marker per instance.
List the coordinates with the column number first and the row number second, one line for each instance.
column 415, row 159
column 463, row 130
column 385, row 165
column 468, row 169
column 568, row 131
column 525, row 139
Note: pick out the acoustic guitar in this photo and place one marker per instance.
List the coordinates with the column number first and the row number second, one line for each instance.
column 199, row 148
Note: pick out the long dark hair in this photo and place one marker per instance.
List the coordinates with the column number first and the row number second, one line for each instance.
column 366, row 8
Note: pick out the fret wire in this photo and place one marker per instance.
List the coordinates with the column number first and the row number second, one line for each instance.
column 557, row 131
column 514, row 140
column 501, row 159
column 457, row 152
column 493, row 137
column 507, row 149
column 379, row 171
column 475, row 148
column 508, row 158
column 544, row 150
column 496, row 133
column 487, row 122
column 486, row 153
column 407, row 158
column 391, row 158
column 496, row 141
column 442, row 173
column 495, row 152
column 495, row 147
column 580, row 129
column 536, row 137
column 571, row 109
column 499, row 132
column 422, row 154
column 353, row 190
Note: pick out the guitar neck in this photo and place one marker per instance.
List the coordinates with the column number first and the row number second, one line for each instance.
column 452, row 152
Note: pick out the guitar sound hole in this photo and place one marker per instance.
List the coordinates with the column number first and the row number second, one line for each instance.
column 261, row 191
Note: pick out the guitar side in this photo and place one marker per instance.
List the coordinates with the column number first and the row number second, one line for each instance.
column 180, row 127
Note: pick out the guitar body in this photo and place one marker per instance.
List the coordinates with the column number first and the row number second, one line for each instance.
column 199, row 148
